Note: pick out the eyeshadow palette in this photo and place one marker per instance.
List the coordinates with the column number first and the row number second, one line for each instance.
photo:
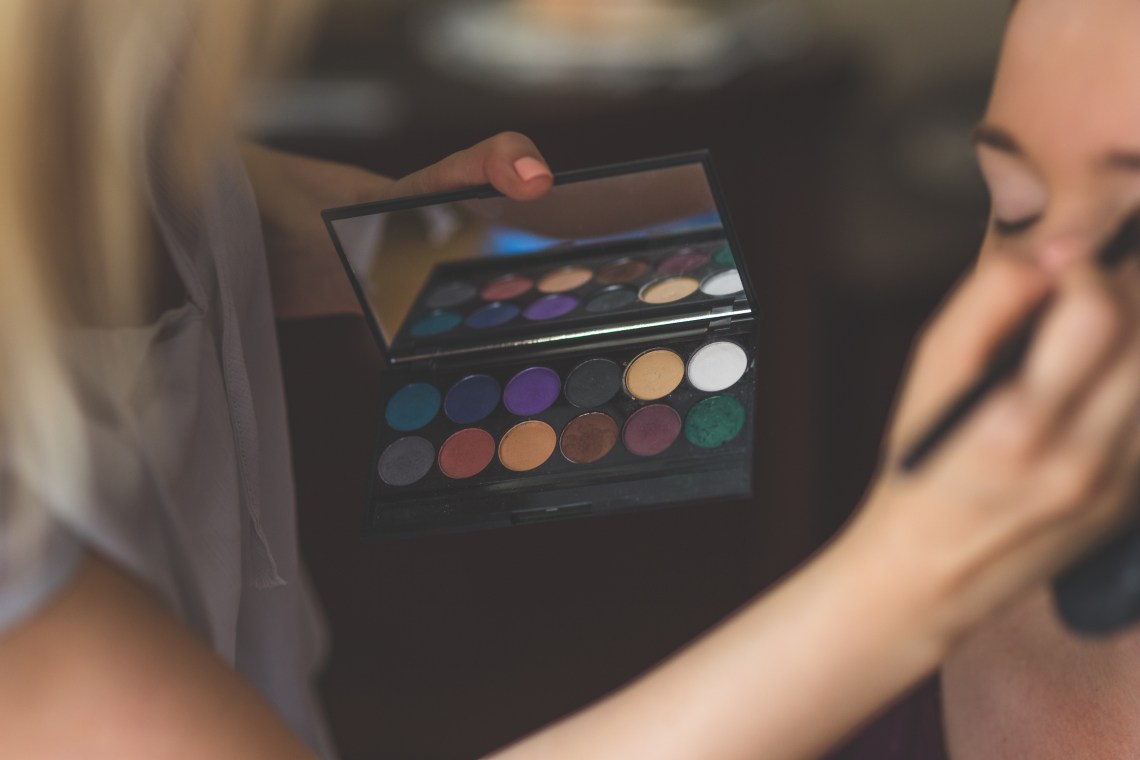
column 588, row 353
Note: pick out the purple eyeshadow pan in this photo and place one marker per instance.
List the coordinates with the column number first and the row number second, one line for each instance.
column 651, row 429
column 550, row 307
column 532, row 391
column 683, row 261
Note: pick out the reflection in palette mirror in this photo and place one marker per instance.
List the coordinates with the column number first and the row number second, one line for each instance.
column 554, row 257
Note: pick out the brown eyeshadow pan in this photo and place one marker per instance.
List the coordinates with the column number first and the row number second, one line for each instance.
column 621, row 271
column 589, row 437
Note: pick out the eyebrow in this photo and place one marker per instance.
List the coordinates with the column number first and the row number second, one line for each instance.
column 997, row 138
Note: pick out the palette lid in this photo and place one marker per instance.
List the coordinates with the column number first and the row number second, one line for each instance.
column 629, row 248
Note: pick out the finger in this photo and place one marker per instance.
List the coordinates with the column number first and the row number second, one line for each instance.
column 1078, row 339
column 1103, row 431
column 956, row 346
column 508, row 161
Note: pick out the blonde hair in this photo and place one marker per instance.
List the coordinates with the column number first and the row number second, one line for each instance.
column 83, row 85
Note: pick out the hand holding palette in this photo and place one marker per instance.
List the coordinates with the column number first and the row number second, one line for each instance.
column 587, row 353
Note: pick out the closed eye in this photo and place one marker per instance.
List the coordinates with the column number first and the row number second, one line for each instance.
column 1014, row 227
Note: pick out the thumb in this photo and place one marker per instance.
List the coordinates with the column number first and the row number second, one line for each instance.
column 508, row 161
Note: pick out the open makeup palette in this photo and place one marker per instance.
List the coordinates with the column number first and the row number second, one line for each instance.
column 588, row 353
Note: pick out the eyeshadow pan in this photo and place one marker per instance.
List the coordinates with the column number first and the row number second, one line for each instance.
column 723, row 257
column 722, row 283
column 668, row 290
column 506, row 287
column 492, row 315
column 406, row 461
column 716, row 366
column 613, row 297
column 450, row 294
column 550, row 307
column 471, row 399
column 621, row 271
column 593, row 383
column 651, row 429
column 654, row 374
column 527, row 445
column 564, row 279
column 466, row 453
column 589, row 437
column 683, row 261
column 412, row 407
column 435, row 322
column 532, row 391
column 714, row 421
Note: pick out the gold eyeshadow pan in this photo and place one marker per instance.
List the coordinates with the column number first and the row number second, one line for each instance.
column 564, row 279
column 587, row 376
column 669, row 289
column 653, row 374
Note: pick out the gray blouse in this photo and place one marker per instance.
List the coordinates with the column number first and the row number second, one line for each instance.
column 192, row 489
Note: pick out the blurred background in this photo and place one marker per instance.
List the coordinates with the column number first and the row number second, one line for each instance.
column 840, row 134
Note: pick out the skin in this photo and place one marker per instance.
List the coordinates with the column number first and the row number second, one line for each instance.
column 1060, row 151
column 1040, row 471
column 306, row 276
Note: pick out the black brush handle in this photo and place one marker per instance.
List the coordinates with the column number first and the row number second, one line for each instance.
column 1006, row 360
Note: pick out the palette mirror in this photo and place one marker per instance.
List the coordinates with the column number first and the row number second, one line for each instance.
column 547, row 355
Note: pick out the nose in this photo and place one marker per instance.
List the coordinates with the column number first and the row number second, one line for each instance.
column 1057, row 253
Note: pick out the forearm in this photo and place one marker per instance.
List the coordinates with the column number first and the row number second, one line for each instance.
column 787, row 677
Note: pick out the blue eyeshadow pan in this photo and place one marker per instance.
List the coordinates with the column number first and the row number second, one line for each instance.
column 471, row 399
column 492, row 315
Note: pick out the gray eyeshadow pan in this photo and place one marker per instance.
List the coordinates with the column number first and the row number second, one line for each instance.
column 450, row 294
column 611, row 298
column 406, row 461
column 593, row 383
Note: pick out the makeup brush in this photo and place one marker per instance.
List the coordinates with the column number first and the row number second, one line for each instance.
column 1100, row 593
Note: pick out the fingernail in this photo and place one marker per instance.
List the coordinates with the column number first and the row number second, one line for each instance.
column 530, row 168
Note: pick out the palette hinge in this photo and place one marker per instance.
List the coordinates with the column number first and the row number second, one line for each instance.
column 719, row 323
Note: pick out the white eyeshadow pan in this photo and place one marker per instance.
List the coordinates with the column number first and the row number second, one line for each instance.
column 716, row 366
column 722, row 283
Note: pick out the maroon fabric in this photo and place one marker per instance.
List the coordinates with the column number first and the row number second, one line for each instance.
column 910, row 730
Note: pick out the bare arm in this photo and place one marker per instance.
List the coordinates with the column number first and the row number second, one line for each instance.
column 1032, row 478
column 104, row 671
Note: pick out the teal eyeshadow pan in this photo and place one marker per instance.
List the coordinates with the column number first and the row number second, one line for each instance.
column 412, row 407
column 435, row 322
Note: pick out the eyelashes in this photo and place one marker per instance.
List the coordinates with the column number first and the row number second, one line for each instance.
column 1011, row 228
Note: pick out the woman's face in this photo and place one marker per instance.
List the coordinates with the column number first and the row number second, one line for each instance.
column 1060, row 142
